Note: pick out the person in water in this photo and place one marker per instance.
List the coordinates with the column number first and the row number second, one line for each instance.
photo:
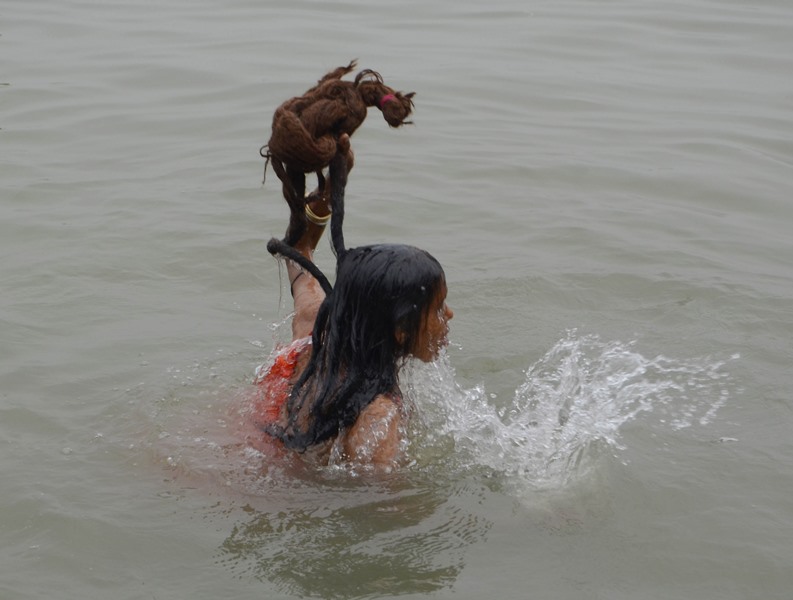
column 334, row 391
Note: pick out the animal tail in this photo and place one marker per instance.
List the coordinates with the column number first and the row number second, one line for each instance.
column 339, row 72
column 277, row 247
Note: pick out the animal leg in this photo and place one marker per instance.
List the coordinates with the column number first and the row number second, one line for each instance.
column 320, row 182
column 294, row 194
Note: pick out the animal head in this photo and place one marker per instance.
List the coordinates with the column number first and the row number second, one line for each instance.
column 395, row 106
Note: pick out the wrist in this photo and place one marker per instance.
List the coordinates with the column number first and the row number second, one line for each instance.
column 318, row 213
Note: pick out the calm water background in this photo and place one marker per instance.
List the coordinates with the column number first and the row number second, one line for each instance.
column 608, row 185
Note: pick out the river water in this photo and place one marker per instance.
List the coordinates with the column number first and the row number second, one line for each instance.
column 608, row 185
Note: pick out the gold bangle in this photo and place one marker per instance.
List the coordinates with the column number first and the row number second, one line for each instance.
column 314, row 218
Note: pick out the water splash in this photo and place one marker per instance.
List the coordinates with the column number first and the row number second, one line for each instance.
column 573, row 404
column 570, row 412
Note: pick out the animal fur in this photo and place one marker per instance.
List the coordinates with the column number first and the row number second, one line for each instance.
column 306, row 130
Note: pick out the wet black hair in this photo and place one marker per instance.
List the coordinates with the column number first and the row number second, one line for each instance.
column 365, row 327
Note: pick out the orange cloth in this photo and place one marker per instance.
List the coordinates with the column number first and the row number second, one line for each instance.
column 275, row 385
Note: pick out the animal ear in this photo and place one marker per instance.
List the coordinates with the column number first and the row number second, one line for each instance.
column 409, row 95
column 368, row 75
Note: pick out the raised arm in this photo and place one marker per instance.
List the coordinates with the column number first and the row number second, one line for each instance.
column 306, row 290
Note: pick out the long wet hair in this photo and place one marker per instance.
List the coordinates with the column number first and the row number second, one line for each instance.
column 365, row 327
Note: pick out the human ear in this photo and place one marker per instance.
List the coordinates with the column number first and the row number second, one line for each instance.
column 401, row 337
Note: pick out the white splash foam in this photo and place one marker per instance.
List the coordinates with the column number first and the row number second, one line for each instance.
column 574, row 400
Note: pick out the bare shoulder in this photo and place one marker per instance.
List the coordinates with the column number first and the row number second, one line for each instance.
column 374, row 438
column 381, row 407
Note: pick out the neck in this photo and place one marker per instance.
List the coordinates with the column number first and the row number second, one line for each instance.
column 385, row 100
column 373, row 92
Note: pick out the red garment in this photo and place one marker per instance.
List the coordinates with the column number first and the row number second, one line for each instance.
column 275, row 385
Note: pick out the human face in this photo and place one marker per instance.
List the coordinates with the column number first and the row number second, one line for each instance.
column 434, row 331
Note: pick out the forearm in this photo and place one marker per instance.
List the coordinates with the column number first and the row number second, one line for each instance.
column 306, row 291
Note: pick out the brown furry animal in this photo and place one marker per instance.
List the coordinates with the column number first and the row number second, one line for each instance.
column 306, row 130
